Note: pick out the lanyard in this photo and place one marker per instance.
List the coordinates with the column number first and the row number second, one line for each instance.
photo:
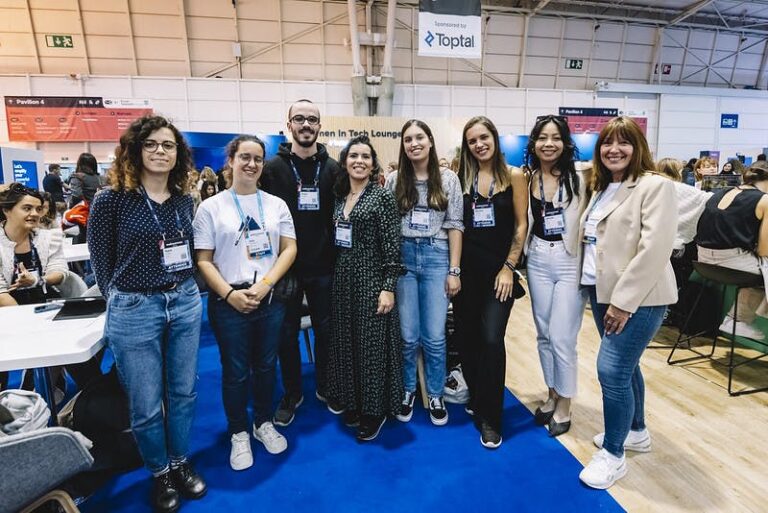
column 299, row 183
column 544, row 200
column 245, row 231
column 154, row 214
column 475, row 194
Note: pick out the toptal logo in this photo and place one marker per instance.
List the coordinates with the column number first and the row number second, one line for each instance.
column 450, row 41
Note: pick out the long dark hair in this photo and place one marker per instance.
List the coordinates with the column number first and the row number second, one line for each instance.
column 405, row 191
column 341, row 187
column 469, row 166
column 565, row 164
column 125, row 173
column 14, row 193
column 86, row 163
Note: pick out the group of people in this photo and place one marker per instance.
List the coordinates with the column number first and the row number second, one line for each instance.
column 378, row 266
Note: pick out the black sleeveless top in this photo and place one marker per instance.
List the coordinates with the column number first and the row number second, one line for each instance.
column 484, row 250
column 734, row 227
column 538, row 220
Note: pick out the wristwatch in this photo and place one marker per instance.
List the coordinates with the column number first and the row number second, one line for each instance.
column 454, row 271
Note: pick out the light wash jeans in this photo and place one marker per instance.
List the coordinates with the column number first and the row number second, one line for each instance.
column 558, row 303
column 155, row 338
column 618, row 370
column 423, row 306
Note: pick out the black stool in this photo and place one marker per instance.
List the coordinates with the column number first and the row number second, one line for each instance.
column 723, row 277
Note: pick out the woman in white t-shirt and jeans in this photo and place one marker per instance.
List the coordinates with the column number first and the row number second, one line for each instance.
column 245, row 243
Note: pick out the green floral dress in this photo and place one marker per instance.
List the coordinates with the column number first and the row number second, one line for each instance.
column 365, row 352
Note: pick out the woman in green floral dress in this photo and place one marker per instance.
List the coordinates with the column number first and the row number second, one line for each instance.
column 365, row 354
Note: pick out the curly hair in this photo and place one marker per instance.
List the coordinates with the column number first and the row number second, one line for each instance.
column 125, row 173
column 342, row 187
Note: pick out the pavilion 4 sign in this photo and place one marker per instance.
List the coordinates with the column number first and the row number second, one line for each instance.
column 450, row 28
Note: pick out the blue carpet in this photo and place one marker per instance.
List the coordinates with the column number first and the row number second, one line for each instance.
column 410, row 467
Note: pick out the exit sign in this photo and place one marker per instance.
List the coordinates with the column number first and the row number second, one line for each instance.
column 574, row 63
column 59, row 41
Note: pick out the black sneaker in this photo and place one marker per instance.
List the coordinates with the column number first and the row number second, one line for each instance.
column 286, row 411
column 370, row 426
column 165, row 496
column 351, row 418
column 489, row 437
column 406, row 408
column 188, row 482
column 334, row 407
column 437, row 412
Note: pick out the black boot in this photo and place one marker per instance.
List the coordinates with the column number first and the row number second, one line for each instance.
column 165, row 497
column 189, row 482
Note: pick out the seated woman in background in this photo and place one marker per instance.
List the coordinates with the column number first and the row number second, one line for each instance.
column 733, row 233
column 705, row 166
column 732, row 167
column 48, row 214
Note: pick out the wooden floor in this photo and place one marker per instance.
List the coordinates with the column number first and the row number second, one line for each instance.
column 710, row 451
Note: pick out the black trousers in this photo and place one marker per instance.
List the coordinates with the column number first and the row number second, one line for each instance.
column 318, row 292
column 481, row 321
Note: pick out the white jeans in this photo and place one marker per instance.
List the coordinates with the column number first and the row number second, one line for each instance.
column 558, row 308
column 752, row 302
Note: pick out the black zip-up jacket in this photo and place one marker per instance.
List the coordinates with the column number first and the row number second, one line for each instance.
column 314, row 228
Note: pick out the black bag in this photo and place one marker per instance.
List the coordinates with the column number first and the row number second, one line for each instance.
column 287, row 287
column 708, row 314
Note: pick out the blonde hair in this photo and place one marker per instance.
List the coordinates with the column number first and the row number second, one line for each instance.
column 703, row 161
column 670, row 168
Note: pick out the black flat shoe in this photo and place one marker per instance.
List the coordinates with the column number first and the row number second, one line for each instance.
column 558, row 428
column 189, row 482
column 165, row 496
column 542, row 418
column 351, row 418
column 369, row 427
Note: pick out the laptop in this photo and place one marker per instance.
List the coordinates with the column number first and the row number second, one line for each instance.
column 715, row 182
column 82, row 308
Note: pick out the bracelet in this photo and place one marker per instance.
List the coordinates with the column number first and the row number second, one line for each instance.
column 228, row 293
column 268, row 282
column 509, row 265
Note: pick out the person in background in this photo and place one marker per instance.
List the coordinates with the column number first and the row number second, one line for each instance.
column 302, row 174
column 670, row 168
column 84, row 183
column 207, row 191
column 140, row 240
column 705, row 166
column 762, row 156
column 364, row 364
column 689, row 178
column 732, row 167
column 48, row 213
column 430, row 203
column 206, row 175
column 495, row 226
column 245, row 243
column 192, row 189
column 224, row 180
column 733, row 233
column 53, row 185
column 558, row 196
column 627, row 232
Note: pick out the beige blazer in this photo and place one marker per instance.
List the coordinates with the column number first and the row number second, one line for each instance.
column 573, row 211
column 634, row 244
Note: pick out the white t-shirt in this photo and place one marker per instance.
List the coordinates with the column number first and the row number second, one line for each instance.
column 218, row 226
column 588, row 270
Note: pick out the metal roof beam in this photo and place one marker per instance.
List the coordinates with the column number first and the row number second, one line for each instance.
column 690, row 11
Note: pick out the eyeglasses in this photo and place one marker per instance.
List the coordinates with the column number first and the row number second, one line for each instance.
column 245, row 158
column 299, row 120
column 151, row 146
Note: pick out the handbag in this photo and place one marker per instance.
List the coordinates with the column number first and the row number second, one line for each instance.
column 286, row 288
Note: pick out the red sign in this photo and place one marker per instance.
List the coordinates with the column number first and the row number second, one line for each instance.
column 584, row 120
column 64, row 118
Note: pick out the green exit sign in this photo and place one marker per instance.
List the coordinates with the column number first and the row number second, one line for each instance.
column 574, row 63
column 59, row 41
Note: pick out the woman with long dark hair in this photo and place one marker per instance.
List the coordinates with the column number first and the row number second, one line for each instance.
column 140, row 240
column 557, row 199
column 430, row 203
column 495, row 225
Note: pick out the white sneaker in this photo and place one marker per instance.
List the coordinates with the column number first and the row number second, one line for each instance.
column 604, row 470
column 743, row 329
column 637, row 441
column 240, row 457
column 274, row 442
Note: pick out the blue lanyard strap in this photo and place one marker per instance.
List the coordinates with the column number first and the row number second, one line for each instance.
column 476, row 193
column 243, row 218
column 154, row 214
column 541, row 193
column 299, row 183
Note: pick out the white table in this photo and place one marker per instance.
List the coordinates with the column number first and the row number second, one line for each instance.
column 76, row 252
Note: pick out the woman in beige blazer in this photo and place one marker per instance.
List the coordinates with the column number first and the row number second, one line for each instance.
column 627, row 232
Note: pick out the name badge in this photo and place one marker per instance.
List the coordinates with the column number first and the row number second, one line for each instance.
column 483, row 216
column 590, row 231
column 344, row 234
column 419, row 218
column 258, row 244
column 176, row 254
column 554, row 222
column 309, row 198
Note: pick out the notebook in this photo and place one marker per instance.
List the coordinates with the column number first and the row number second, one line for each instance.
column 81, row 308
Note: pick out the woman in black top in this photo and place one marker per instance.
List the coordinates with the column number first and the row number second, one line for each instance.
column 733, row 232
column 495, row 226
column 140, row 239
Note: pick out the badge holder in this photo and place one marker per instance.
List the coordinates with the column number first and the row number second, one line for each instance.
column 309, row 198
column 176, row 254
column 344, row 234
column 483, row 215
column 419, row 218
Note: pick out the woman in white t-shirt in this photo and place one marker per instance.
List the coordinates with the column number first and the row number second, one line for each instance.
column 245, row 243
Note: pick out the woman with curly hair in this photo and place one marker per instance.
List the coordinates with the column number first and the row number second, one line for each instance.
column 140, row 239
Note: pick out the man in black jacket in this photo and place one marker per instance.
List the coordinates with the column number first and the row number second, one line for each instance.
column 303, row 174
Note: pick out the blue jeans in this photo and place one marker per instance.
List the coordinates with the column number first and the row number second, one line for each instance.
column 558, row 308
column 618, row 370
column 423, row 306
column 155, row 338
column 248, row 345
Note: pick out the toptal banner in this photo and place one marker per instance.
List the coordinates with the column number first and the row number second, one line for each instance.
column 450, row 28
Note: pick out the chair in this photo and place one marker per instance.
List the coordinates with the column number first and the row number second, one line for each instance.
column 32, row 464
column 723, row 277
